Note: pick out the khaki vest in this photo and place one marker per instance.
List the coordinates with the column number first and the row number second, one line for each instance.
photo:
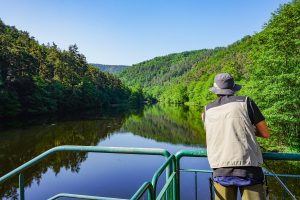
column 230, row 136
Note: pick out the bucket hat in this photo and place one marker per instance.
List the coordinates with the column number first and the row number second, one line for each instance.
column 224, row 85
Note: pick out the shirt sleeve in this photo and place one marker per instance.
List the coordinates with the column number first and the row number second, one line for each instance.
column 254, row 113
column 204, row 110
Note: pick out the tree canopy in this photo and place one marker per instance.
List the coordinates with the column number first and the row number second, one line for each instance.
column 39, row 79
column 267, row 64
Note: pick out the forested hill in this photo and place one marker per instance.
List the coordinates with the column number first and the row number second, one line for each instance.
column 267, row 64
column 38, row 79
column 162, row 69
column 113, row 69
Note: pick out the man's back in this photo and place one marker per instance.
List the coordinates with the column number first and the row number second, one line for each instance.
column 230, row 134
column 232, row 124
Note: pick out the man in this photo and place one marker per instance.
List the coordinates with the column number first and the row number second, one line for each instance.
column 232, row 124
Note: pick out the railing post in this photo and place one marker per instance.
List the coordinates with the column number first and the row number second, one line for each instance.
column 151, row 195
column 21, row 186
column 174, row 186
column 168, row 174
column 177, row 178
column 196, row 186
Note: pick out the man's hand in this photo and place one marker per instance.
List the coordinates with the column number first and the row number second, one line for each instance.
column 262, row 129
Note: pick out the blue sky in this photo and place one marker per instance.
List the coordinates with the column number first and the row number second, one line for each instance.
column 131, row 31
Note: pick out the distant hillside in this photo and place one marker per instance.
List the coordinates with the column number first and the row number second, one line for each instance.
column 267, row 64
column 110, row 68
column 160, row 70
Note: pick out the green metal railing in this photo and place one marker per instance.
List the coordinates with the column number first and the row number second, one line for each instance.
column 203, row 153
column 147, row 186
column 170, row 163
column 95, row 149
column 169, row 191
column 178, row 156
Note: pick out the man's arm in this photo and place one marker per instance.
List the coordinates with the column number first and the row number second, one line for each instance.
column 257, row 119
column 262, row 129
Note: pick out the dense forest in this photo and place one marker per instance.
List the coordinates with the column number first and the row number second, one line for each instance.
column 113, row 69
column 267, row 64
column 40, row 79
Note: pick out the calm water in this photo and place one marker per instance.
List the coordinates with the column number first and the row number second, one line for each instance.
column 110, row 175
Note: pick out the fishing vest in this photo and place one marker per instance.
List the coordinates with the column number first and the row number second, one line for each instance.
column 230, row 136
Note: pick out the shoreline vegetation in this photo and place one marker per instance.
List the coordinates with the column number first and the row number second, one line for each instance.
column 24, row 121
column 43, row 79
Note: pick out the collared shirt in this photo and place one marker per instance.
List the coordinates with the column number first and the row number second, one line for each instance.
column 253, row 111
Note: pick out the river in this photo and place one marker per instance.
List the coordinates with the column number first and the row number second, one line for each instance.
column 110, row 175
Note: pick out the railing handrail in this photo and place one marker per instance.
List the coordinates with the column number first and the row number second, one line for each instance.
column 266, row 155
column 78, row 196
column 95, row 149
column 267, row 173
column 138, row 194
column 281, row 156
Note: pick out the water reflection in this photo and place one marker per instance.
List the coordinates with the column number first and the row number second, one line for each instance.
column 172, row 124
column 169, row 127
column 19, row 146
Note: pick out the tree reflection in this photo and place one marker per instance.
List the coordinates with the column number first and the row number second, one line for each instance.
column 172, row 124
column 20, row 145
